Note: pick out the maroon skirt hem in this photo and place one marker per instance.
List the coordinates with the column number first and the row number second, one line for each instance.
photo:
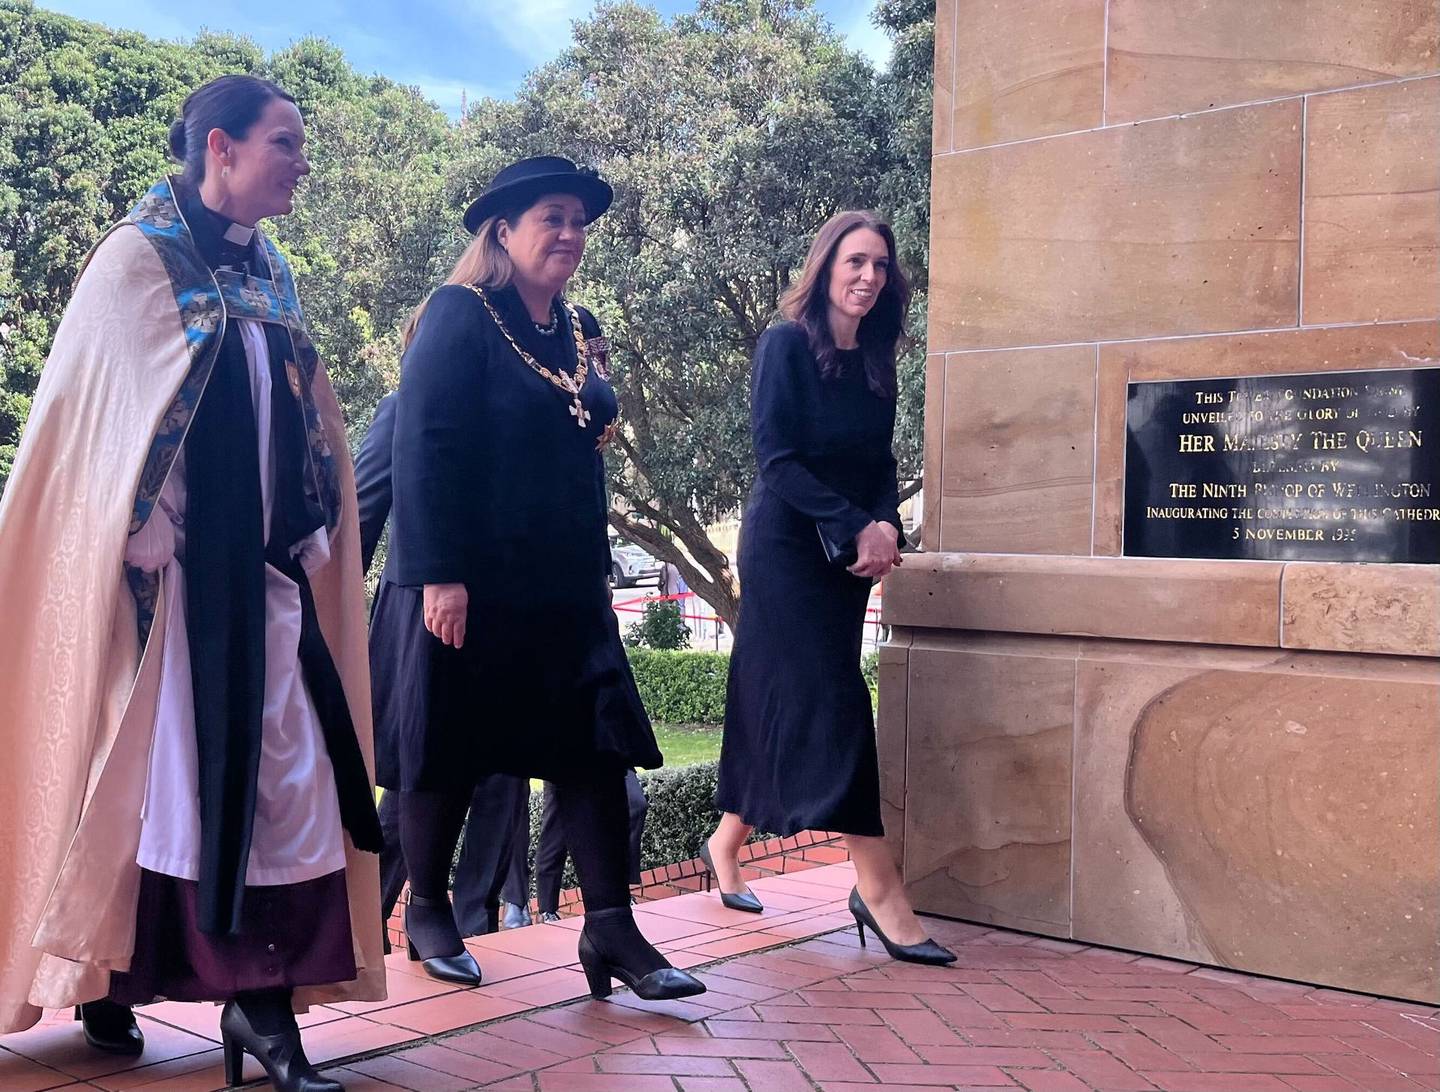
column 291, row 935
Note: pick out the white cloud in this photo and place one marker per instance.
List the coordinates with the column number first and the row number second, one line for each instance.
column 445, row 94
column 863, row 35
column 537, row 30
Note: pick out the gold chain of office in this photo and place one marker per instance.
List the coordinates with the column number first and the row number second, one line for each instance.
column 562, row 382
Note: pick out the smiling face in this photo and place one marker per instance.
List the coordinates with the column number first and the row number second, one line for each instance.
column 858, row 273
column 265, row 165
column 546, row 241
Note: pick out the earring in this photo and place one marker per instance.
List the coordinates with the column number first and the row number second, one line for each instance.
column 225, row 171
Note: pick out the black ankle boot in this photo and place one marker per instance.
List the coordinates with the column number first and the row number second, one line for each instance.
column 279, row 1052
column 611, row 946
column 111, row 1027
column 434, row 941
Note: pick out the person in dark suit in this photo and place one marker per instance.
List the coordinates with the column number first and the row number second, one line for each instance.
column 490, row 827
column 494, row 648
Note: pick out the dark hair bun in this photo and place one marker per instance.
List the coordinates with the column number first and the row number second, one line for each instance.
column 177, row 140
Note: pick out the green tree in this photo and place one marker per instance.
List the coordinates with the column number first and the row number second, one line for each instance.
column 908, row 85
column 730, row 135
column 83, row 117
column 373, row 230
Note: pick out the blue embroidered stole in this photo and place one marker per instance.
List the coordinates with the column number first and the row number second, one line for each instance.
column 206, row 301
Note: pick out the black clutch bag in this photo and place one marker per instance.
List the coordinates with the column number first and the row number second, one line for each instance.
column 837, row 554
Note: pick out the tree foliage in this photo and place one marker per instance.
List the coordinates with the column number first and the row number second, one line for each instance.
column 84, row 115
column 730, row 134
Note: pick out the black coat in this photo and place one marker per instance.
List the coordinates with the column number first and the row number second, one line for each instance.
column 495, row 486
column 372, row 478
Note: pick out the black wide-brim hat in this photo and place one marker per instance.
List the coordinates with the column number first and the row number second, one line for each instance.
column 521, row 183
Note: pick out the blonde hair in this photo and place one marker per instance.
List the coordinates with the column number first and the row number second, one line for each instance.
column 485, row 262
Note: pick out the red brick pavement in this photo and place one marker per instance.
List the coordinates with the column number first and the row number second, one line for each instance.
column 1014, row 1013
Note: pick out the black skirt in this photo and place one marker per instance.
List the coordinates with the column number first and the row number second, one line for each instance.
column 536, row 691
column 799, row 745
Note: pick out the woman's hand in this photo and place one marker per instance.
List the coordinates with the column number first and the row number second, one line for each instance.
column 445, row 609
column 878, row 551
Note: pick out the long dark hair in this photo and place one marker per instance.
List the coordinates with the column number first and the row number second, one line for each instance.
column 231, row 103
column 807, row 302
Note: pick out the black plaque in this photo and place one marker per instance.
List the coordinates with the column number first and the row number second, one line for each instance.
column 1336, row 466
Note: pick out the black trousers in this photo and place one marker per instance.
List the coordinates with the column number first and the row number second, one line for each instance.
column 485, row 862
column 591, row 803
column 551, row 850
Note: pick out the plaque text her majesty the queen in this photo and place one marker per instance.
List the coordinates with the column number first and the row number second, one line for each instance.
column 1335, row 466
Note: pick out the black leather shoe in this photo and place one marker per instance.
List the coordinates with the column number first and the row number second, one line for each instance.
column 459, row 967
column 745, row 901
column 927, row 951
column 603, row 955
column 110, row 1027
column 281, row 1056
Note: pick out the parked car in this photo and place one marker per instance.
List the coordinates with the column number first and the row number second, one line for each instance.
column 629, row 564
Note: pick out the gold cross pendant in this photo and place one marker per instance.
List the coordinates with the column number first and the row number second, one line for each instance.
column 580, row 413
column 607, row 435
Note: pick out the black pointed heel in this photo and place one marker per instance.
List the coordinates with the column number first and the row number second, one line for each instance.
column 927, row 951
column 111, row 1027
column 665, row 983
column 745, row 901
column 460, row 968
column 281, row 1056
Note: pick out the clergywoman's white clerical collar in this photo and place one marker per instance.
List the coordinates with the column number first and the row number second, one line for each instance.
column 239, row 234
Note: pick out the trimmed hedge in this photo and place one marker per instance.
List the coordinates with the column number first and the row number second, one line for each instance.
column 681, row 687
column 685, row 687
column 682, row 815
column 682, row 812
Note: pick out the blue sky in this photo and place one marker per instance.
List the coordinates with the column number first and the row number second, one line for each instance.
column 482, row 46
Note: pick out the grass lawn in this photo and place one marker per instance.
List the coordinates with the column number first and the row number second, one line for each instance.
column 687, row 744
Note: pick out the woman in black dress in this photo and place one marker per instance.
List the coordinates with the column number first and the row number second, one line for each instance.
column 821, row 525
column 493, row 646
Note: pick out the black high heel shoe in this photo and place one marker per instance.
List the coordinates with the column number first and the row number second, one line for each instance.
column 664, row 983
column 111, row 1027
column 745, row 901
column 927, row 951
column 281, row 1056
column 460, row 967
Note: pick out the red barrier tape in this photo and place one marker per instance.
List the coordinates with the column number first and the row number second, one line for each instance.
column 681, row 596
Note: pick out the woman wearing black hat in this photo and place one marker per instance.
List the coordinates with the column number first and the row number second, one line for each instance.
column 493, row 646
